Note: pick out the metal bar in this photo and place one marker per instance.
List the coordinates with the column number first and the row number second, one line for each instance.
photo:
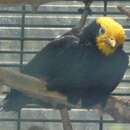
column 120, row 94
column 9, row 65
column 101, row 123
column 34, row 39
column 105, row 7
column 21, row 57
column 22, row 36
column 66, row 119
column 44, row 12
column 27, row 52
column 19, row 120
column 18, row 52
column 46, row 25
column 27, row 39
column 54, row 12
column 60, row 121
column 38, row 26
column 98, row 0
column 30, row 52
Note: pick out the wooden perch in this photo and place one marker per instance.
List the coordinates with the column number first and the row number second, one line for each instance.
column 124, row 10
column 118, row 109
column 76, row 30
column 37, row 89
column 31, row 86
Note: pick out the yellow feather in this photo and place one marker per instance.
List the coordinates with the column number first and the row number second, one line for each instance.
column 112, row 30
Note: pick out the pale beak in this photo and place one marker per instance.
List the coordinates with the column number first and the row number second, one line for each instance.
column 111, row 42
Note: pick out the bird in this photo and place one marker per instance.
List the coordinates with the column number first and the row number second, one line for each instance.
column 85, row 68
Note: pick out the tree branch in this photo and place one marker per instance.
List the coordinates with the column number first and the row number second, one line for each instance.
column 76, row 30
column 117, row 108
column 31, row 86
column 124, row 10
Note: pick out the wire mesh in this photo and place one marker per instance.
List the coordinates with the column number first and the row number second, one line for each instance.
column 23, row 25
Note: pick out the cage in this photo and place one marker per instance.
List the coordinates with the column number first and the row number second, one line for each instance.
column 23, row 33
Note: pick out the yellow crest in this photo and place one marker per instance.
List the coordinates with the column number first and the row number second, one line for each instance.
column 112, row 31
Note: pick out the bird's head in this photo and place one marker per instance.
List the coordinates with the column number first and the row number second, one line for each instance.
column 107, row 33
column 111, row 35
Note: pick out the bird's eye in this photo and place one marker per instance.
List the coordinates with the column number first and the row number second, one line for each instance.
column 101, row 31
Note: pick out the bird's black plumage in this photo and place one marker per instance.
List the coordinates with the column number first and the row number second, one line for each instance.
column 75, row 67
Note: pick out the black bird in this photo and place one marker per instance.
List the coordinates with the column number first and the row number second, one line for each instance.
column 86, row 68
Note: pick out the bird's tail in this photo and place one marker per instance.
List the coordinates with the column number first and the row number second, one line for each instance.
column 15, row 101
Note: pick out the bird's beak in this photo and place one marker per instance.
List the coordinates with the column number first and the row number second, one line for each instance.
column 111, row 42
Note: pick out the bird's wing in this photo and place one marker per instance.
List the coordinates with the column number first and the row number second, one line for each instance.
column 46, row 59
column 43, row 65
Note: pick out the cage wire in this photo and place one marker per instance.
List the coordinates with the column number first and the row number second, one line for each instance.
column 23, row 33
